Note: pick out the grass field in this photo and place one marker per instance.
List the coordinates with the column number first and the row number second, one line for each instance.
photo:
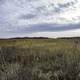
column 40, row 59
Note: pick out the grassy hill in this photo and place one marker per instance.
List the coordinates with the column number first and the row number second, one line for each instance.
column 40, row 59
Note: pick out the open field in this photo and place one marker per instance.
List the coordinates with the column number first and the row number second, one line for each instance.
column 40, row 59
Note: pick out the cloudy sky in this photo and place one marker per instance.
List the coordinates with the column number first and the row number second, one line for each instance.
column 34, row 18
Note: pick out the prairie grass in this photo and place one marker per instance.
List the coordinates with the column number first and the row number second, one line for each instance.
column 40, row 59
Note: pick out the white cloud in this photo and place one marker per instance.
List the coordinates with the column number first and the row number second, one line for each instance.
column 44, row 10
column 69, row 33
column 13, row 13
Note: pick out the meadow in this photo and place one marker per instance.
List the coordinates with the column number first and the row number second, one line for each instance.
column 40, row 59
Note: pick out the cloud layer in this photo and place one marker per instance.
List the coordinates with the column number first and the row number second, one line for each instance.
column 32, row 16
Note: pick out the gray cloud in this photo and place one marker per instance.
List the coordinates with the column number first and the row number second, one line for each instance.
column 14, row 11
column 27, row 16
column 66, row 4
column 45, row 27
column 51, row 27
column 2, row 1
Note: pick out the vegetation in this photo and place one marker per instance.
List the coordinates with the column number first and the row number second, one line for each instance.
column 40, row 59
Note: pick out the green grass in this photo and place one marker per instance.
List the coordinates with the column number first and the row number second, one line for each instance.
column 40, row 59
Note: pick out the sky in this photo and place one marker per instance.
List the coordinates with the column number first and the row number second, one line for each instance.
column 39, row 18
